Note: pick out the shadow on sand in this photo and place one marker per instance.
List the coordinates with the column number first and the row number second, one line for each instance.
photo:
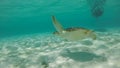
column 83, row 56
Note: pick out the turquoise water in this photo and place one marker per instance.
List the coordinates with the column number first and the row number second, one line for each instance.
column 26, row 39
column 22, row 17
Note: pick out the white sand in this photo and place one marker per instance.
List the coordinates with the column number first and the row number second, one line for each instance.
column 46, row 51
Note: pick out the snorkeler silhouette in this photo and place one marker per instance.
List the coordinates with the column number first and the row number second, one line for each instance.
column 97, row 7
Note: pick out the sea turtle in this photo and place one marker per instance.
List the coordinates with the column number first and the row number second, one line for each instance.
column 73, row 33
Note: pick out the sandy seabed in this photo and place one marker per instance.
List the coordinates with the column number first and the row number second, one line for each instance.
column 48, row 51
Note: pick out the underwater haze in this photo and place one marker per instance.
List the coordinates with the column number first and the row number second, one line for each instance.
column 27, row 40
column 26, row 16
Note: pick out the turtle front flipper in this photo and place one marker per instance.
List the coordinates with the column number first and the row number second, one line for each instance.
column 57, row 25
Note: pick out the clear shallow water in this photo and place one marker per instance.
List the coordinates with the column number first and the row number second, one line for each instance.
column 48, row 51
column 28, row 17
column 26, row 39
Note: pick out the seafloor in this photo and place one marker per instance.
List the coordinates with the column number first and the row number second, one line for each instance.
column 48, row 51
